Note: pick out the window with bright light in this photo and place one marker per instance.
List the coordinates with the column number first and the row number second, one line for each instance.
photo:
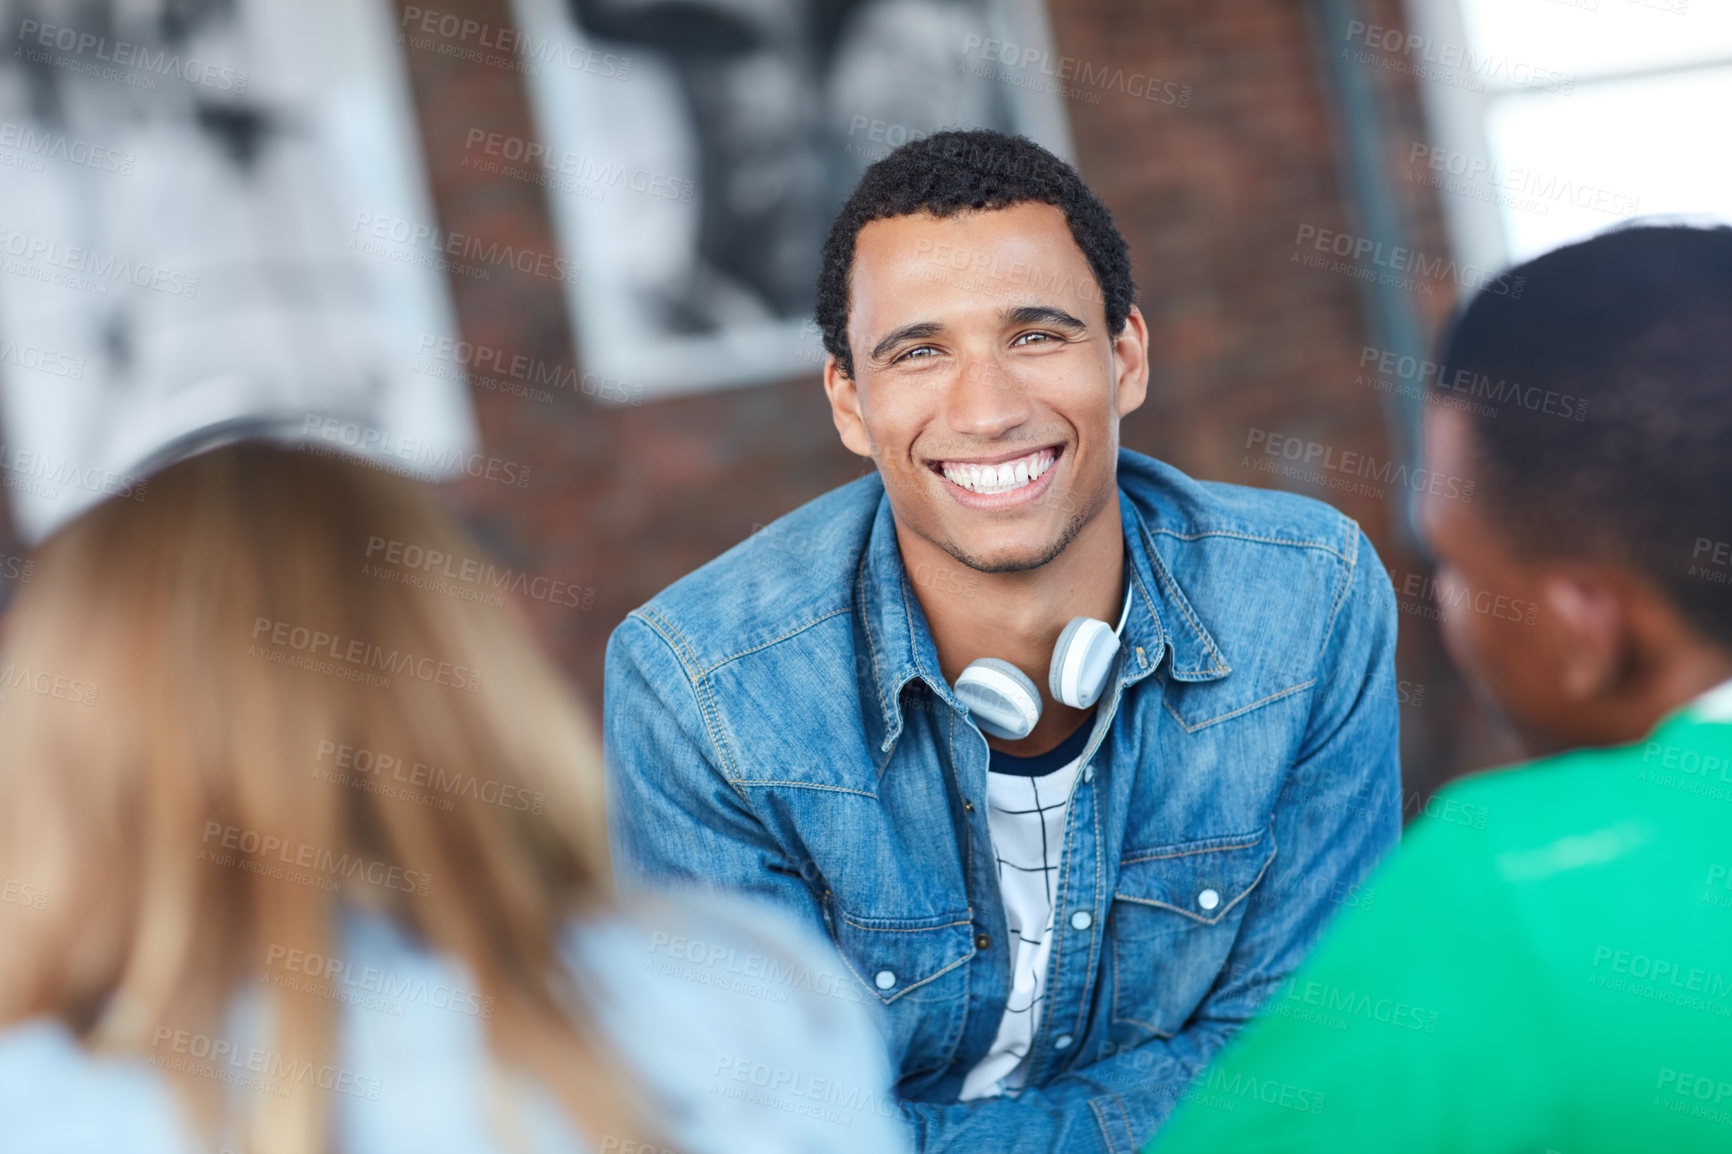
column 1554, row 119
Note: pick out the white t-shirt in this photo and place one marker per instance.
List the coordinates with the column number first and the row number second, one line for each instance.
column 1025, row 814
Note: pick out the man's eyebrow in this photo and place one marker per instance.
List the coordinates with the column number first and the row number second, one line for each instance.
column 1043, row 315
column 919, row 331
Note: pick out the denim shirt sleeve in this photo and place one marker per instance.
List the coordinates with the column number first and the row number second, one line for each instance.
column 674, row 817
column 1337, row 815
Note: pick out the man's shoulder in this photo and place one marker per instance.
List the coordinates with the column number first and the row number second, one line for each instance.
column 1603, row 810
column 795, row 572
column 1593, row 870
column 1183, row 508
column 1265, row 575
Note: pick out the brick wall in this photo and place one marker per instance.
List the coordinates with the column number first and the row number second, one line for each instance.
column 1210, row 195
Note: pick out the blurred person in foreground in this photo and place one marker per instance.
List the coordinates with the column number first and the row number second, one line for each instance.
column 1559, row 977
column 300, row 858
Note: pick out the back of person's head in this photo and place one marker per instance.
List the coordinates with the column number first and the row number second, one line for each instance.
column 1609, row 366
column 969, row 170
column 201, row 690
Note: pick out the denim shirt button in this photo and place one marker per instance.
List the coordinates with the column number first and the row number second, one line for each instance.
column 1062, row 1042
column 1082, row 920
column 885, row 979
column 1208, row 899
column 1089, row 772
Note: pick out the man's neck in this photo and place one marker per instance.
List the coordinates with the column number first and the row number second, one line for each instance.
column 1686, row 675
column 1017, row 617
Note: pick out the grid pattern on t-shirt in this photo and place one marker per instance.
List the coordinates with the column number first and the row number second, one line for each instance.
column 1026, row 817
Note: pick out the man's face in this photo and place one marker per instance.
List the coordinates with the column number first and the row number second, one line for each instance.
column 1490, row 600
column 986, row 387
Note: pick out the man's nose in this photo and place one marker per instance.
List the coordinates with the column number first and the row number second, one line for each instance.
column 984, row 400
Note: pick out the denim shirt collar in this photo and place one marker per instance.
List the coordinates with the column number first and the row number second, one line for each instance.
column 1161, row 621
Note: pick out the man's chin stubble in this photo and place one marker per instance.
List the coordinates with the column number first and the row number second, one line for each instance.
column 1019, row 565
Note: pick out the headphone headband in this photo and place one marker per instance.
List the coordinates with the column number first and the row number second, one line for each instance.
column 1005, row 703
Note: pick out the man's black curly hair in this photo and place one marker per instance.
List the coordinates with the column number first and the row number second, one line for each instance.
column 958, row 171
column 1612, row 373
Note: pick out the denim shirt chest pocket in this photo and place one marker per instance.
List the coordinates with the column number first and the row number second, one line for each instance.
column 1181, row 903
column 916, row 968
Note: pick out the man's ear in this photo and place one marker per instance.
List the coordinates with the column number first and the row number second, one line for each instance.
column 1131, row 355
column 845, row 408
column 1590, row 625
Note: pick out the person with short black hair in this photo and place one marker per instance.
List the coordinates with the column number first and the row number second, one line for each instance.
column 1064, row 859
column 1547, row 963
column 957, row 172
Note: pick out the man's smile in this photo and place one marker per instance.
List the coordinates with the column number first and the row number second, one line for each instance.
column 998, row 476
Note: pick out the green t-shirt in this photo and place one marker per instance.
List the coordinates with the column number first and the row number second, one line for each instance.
column 1544, row 965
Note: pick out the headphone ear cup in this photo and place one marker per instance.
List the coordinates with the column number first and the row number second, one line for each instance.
column 1000, row 697
column 1081, row 661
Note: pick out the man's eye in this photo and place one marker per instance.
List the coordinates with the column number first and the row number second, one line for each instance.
column 921, row 351
column 1026, row 337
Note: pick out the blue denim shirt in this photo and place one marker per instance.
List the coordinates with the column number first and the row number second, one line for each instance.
column 776, row 722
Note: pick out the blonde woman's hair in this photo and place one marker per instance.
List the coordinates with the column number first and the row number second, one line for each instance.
column 179, row 679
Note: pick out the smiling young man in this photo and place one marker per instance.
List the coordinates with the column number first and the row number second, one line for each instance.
column 1559, row 976
column 1064, row 878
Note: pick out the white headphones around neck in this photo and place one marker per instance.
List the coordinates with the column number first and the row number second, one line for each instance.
column 1003, row 699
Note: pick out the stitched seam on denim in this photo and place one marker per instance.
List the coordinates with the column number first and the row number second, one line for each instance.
column 1294, row 542
column 1056, row 960
column 1078, row 1026
column 1351, row 562
column 1101, row 1124
column 921, row 982
column 1348, row 557
column 1228, row 716
column 700, row 691
column 796, row 630
column 665, row 629
column 910, row 930
column 1130, row 1136
column 712, row 722
column 913, row 646
column 961, row 1026
column 1148, row 602
column 872, row 988
column 967, row 867
column 1192, row 852
column 967, row 827
column 1145, row 1025
column 843, row 954
column 1108, row 1141
column 1206, row 921
column 1117, row 966
column 1183, row 605
column 1089, row 970
column 871, row 645
column 805, row 785
column 1142, row 587
column 1115, row 1008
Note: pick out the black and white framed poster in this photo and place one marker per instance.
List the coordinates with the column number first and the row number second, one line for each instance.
column 695, row 151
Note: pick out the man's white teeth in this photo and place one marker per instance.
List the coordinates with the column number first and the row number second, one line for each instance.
column 990, row 479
